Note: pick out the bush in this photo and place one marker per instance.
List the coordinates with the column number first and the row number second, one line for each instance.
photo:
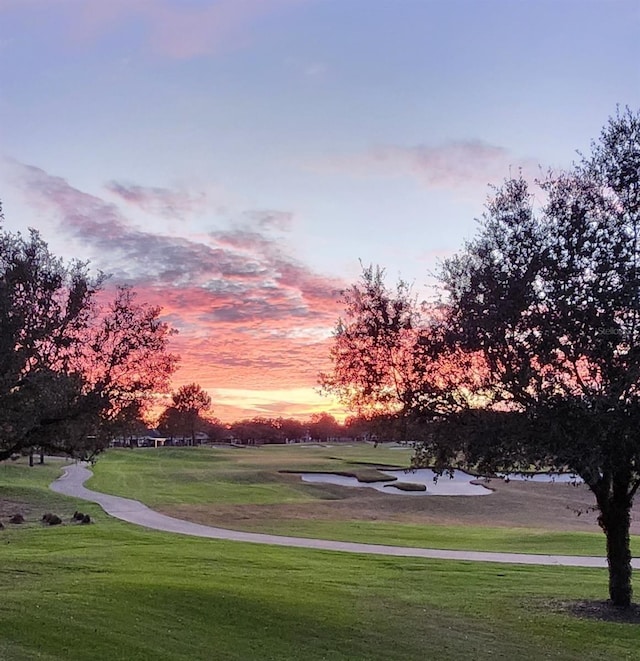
column 51, row 519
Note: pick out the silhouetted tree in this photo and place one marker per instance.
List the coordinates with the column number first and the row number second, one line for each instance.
column 267, row 430
column 215, row 429
column 291, row 429
column 550, row 299
column 324, row 426
column 69, row 363
column 373, row 349
column 129, row 423
column 533, row 355
column 191, row 402
column 171, row 423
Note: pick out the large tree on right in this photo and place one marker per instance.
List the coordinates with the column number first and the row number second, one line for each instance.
column 547, row 294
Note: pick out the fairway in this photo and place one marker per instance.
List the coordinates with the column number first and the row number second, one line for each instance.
column 244, row 489
column 114, row 591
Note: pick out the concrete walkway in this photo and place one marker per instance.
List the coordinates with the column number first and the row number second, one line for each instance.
column 75, row 475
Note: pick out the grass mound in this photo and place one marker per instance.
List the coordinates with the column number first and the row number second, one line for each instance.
column 366, row 476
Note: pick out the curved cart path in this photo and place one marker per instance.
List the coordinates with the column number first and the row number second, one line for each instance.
column 71, row 483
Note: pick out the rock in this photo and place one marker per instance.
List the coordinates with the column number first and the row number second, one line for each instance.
column 78, row 516
column 86, row 519
column 17, row 518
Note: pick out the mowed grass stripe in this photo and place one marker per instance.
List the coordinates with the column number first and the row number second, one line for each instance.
column 110, row 591
column 189, row 475
column 468, row 538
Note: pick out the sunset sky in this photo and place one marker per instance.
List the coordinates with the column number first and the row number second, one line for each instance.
column 235, row 159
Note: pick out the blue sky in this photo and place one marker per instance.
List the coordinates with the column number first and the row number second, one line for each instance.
column 235, row 159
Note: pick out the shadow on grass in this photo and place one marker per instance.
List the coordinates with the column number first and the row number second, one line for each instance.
column 601, row 611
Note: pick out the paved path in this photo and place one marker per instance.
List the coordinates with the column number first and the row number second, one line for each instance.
column 75, row 475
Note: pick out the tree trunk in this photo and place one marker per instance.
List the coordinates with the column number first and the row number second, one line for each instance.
column 31, row 457
column 615, row 520
column 41, row 455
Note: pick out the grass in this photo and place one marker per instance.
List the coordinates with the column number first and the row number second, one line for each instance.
column 115, row 591
column 199, row 475
column 409, row 486
column 26, row 491
column 435, row 536
column 245, row 490
column 231, row 475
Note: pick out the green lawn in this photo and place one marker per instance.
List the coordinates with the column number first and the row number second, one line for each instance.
column 115, row 591
column 27, row 490
column 191, row 475
column 196, row 482
column 229, row 475
column 468, row 538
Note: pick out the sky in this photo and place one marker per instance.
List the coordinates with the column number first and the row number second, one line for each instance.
column 236, row 161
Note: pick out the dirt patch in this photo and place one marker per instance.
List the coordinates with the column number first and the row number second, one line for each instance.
column 602, row 611
column 32, row 512
column 10, row 507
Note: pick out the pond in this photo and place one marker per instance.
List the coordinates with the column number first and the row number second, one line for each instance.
column 461, row 484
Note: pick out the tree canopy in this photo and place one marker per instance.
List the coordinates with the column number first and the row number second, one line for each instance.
column 533, row 359
column 372, row 353
column 72, row 360
column 185, row 416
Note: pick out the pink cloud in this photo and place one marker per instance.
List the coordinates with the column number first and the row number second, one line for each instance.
column 250, row 316
column 171, row 28
column 169, row 203
column 456, row 164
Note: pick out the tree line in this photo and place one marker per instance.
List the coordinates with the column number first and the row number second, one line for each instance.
column 188, row 420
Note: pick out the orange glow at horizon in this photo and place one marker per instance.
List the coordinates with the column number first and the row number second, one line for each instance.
column 251, row 368
column 254, row 323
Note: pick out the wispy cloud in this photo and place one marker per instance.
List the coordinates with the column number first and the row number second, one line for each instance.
column 265, row 218
column 169, row 203
column 171, row 28
column 250, row 316
column 456, row 164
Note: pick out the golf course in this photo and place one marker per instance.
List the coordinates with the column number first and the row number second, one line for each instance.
column 113, row 590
